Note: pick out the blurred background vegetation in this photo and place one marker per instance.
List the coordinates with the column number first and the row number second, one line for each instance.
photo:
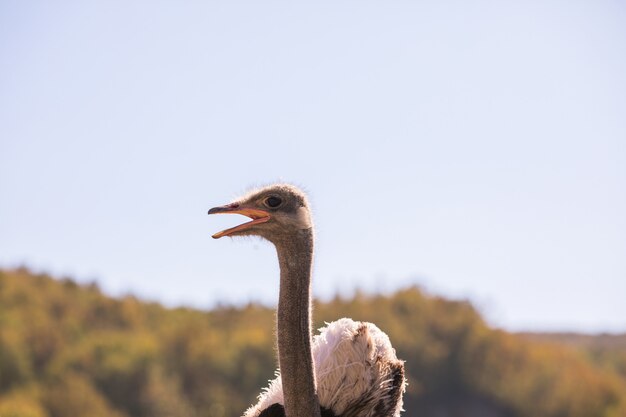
column 67, row 350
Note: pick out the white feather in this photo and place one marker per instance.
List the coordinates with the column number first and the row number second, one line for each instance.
column 352, row 366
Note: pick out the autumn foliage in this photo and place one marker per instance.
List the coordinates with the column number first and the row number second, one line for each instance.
column 67, row 350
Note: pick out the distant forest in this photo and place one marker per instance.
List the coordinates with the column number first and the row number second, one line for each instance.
column 68, row 350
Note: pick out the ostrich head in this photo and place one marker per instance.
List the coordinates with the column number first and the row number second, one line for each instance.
column 278, row 212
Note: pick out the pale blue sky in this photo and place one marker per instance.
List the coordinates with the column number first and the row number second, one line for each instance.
column 475, row 148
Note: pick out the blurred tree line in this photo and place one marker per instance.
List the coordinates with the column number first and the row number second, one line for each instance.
column 67, row 350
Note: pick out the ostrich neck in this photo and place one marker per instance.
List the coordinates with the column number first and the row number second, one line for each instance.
column 295, row 257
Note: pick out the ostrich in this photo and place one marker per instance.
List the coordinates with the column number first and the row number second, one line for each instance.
column 350, row 369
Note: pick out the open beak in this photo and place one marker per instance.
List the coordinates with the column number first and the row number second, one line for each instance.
column 257, row 216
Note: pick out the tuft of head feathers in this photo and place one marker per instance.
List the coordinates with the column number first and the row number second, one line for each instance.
column 280, row 188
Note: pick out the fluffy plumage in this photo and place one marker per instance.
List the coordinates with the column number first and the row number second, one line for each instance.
column 353, row 360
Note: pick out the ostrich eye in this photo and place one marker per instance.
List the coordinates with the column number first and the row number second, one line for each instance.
column 273, row 201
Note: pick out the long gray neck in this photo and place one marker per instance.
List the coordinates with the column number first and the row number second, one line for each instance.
column 295, row 257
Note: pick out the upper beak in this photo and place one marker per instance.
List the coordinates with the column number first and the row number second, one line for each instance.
column 257, row 216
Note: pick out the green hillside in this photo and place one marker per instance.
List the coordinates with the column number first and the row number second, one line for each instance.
column 67, row 350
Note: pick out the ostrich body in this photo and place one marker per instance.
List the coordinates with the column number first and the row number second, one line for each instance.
column 350, row 369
